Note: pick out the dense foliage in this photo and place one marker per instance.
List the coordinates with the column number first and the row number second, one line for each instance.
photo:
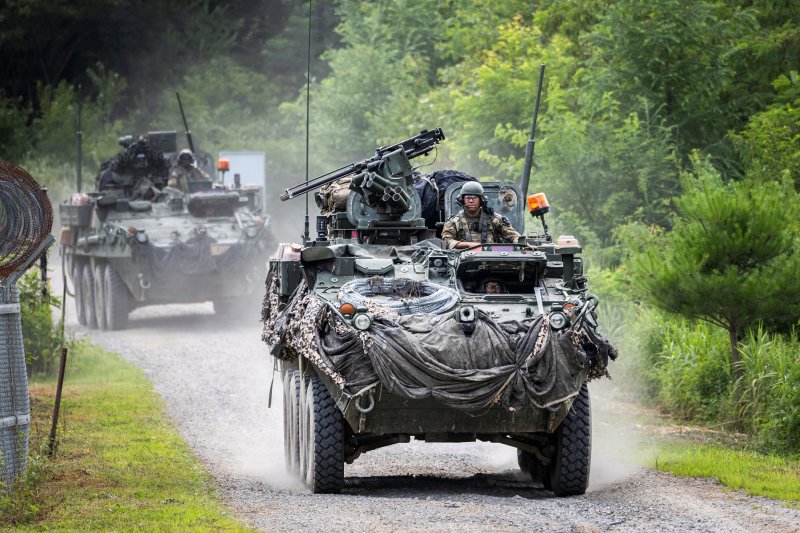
column 667, row 126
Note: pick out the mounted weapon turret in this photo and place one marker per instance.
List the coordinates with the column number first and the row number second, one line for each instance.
column 383, row 206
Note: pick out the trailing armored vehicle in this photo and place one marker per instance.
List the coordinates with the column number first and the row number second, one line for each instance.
column 382, row 334
column 136, row 241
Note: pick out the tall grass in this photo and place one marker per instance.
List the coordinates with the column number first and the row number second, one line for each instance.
column 683, row 366
column 770, row 400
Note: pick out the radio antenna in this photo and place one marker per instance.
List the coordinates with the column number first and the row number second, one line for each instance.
column 308, row 111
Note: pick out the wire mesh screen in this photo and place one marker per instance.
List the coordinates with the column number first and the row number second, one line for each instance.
column 14, row 402
column 26, row 217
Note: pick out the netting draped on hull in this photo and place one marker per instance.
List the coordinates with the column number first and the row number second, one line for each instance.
column 507, row 364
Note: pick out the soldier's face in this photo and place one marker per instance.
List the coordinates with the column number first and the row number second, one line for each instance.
column 492, row 287
column 472, row 204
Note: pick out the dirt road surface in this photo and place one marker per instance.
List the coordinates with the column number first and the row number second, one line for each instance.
column 214, row 376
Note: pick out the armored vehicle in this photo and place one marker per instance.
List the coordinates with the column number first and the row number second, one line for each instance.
column 136, row 241
column 382, row 334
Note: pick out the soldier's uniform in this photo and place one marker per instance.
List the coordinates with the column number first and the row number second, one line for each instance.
column 180, row 177
column 484, row 228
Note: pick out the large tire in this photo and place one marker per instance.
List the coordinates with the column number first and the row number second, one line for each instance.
column 99, row 295
column 117, row 299
column 569, row 471
column 323, row 443
column 291, row 421
column 87, row 290
column 77, row 285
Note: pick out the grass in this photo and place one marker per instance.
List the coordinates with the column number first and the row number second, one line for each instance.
column 119, row 465
column 756, row 474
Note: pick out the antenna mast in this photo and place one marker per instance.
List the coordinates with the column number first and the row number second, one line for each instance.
column 526, row 169
column 308, row 111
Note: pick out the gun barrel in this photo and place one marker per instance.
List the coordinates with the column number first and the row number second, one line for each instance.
column 413, row 147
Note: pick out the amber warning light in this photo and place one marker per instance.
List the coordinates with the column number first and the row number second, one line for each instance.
column 223, row 165
column 538, row 204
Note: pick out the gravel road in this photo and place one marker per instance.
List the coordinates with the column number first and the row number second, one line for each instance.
column 215, row 375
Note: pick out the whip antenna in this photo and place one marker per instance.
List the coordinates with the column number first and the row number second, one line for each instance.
column 308, row 111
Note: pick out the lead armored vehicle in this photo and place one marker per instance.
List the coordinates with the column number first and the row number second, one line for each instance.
column 135, row 241
column 383, row 335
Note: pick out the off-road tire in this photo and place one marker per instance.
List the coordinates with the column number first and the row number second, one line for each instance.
column 568, row 474
column 87, row 292
column 291, row 420
column 77, row 285
column 324, row 440
column 117, row 299
column 99, row 295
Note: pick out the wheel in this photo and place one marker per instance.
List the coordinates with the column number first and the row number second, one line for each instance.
column 568, row 474
column 291, row 422
column 323, row 443
column 87, row 292
column 77, row 285
column 530, row 464
column 117, row 300
column 99, row 295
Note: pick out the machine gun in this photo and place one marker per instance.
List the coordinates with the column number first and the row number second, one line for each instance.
column 413, row 147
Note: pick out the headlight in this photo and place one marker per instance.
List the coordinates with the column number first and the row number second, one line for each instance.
column 557, row 320
column 362, row 321
column 141, row 236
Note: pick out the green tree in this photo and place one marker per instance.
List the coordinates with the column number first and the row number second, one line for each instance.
column 770, row 144
column 731, row 258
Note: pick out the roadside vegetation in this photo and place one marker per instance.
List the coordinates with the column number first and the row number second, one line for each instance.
column 119, row 464
column 668, row 143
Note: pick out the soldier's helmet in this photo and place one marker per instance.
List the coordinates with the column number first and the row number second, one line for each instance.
column 471, row 188
column 186, row 156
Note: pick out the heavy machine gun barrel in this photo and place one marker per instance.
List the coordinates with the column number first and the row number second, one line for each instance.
column 413, row 147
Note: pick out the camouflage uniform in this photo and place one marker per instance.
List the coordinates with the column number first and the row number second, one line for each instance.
column 461, row 227
column 180, row 177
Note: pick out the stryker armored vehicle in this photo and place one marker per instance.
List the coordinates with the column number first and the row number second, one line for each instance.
column 135, row 241
column 382, row 334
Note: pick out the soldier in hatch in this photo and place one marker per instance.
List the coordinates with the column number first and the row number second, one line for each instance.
column 186, row 173
column 476, row 224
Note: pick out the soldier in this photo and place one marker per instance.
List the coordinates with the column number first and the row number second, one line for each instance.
column 186, row 172
column 474, row 224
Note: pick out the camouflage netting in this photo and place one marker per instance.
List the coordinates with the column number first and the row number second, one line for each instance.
column 506, row 364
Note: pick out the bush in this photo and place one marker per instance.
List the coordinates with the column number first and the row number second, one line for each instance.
column 42, row 338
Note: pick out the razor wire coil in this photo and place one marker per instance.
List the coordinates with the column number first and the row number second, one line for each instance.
column 402, row 295
column 26, row 217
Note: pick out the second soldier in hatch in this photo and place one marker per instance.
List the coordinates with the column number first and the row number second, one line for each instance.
column 476, row 224
column 185, row 173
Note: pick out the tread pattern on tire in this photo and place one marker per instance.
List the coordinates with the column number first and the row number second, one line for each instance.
column 569, row 472
column 291, row 420
column 324, row 440
column 99, row 295
column 77, row 285
column 116, row 300
column 87, row 291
